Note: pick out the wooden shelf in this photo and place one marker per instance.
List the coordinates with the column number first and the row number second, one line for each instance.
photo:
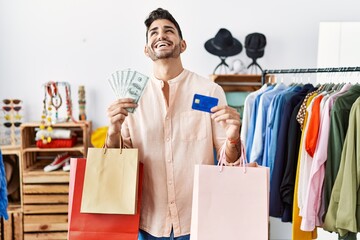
column 33, row 148
column 239, row 82
column 45, row 194
column 60, row 125
column 10, row 149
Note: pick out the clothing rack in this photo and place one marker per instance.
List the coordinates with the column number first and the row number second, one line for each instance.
column 308, row 70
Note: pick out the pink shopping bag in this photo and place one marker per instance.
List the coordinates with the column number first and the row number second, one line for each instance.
column 230, row 203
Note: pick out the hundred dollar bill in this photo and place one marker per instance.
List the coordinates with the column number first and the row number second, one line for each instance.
column 135, row 88
column 126, row 76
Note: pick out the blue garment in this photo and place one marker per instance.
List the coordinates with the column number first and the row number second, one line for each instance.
column 257, row 149
column 3, row 190
column 274, row 125
column 146, row 236
column 250, row 135
column 290, row 99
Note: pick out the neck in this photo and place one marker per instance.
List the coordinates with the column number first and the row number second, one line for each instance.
column 166, row 69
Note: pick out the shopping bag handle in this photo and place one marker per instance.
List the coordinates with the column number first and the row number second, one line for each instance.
column 105, row 147
column 241, row 161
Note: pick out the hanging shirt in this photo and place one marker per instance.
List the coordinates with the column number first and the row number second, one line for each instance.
column 313, row 211
column 288, row 181
column 302, row 112
column 338, row 127
column 254, row 113
column 297, row 233
column 343, row 215
column 256, row 154
column 305, row 159
column 171, row 139
column 291, row 99
column 314, row 122
column 248, row 106
column 274, row 126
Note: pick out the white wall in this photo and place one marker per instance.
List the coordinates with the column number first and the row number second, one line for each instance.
column 83, row 41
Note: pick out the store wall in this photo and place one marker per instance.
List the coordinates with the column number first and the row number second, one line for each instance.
column 83, row 41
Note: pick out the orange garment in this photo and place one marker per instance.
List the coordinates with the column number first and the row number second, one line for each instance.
column 298, row 234
column 313, row 131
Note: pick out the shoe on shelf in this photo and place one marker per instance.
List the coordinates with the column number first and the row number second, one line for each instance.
column 58, row 162
column 66, row 166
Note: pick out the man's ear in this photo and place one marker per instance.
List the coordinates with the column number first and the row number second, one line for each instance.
column 183, row 46
column 146, row 51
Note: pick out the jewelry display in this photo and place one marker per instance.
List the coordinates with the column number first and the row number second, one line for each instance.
column 53, row 100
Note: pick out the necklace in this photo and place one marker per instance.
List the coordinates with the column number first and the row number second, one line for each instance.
column 55, row 97
column 53, row 100
column 46, row 119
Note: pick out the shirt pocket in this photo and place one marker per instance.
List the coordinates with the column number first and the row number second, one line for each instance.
column 193, row 126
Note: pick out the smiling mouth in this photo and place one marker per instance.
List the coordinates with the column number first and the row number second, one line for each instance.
column 162, row 44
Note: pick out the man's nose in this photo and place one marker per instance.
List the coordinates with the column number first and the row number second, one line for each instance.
column 162, row 35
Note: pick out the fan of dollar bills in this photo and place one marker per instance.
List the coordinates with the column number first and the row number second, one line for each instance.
column 128, row 84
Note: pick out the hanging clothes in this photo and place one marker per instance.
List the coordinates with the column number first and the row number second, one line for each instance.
column 288, row 181
column 338, row 127
column 274, row 117
column 305, row 158
column 343, row 214
column 250, row 138
column 256, row 154
column 3, row 190
column 248, row 106
column 313, row 211
column 291, row 99
column 297, row 233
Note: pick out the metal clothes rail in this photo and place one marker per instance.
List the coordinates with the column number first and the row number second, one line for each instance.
column 308, row 70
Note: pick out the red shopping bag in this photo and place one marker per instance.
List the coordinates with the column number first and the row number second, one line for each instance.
column 91, row 226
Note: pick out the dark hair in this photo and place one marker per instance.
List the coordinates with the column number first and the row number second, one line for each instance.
column 161, row 14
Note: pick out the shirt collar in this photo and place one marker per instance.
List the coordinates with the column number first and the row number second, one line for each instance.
column 176, row 79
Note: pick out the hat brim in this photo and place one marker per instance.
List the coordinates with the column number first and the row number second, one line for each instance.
column 235, row 49
column 12, row 175
column 254, row 54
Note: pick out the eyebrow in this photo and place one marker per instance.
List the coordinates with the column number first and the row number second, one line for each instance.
column 165, row 27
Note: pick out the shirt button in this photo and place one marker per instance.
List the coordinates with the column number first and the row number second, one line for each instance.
column 169, row 160
column 167, row 139
column 170, row 182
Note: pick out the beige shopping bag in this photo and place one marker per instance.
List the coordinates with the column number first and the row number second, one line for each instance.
column 110, row 182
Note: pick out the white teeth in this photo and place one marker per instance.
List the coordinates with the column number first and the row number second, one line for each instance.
column 162, row 44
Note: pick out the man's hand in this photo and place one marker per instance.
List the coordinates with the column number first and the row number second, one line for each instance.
column 117, row 113
column 229, row 118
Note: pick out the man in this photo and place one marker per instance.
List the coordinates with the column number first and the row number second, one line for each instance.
column 170, row 136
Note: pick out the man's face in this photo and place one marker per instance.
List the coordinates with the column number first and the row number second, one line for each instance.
column 163, row 40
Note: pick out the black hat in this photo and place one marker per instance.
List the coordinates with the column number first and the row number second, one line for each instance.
column 223, row 44
column 255, row 45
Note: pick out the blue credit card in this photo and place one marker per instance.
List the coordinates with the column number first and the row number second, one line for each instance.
column 204, row 103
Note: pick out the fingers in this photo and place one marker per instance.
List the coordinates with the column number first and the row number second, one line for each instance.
column 117, row 111
column 225, row 113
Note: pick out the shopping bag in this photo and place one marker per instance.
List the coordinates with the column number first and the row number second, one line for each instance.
column 110, row 182
column 230, row 202
column 89, row 226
